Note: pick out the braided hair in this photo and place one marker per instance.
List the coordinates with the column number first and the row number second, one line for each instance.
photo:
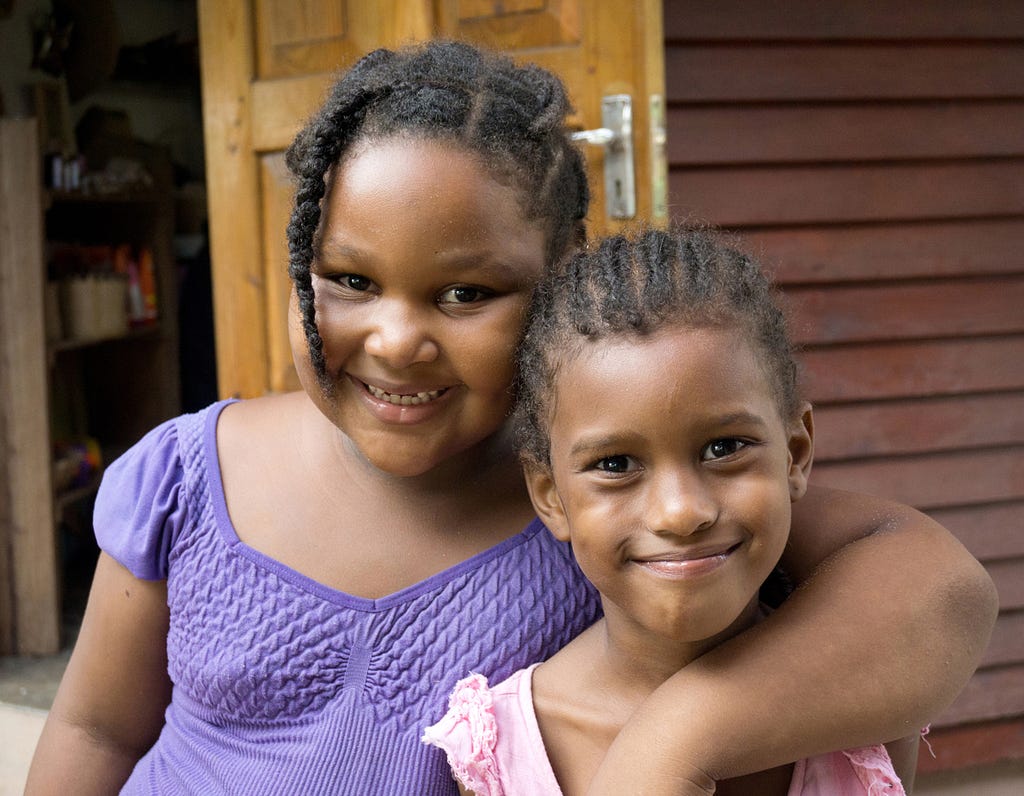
column 512, row 116
column 635, row 286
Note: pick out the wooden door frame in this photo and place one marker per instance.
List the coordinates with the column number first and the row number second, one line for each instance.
column 239, row 296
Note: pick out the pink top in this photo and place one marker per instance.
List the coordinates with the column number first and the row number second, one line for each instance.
column 494, row 747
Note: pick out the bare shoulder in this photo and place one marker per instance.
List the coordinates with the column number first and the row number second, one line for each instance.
column 259, row 421
column 577, row 715
column 260, row 454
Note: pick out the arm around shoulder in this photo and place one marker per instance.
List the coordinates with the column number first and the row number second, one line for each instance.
column 110, row 706
column 887, row 626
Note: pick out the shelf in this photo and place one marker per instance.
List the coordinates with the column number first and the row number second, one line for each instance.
column 141, row 333
column 143, row 195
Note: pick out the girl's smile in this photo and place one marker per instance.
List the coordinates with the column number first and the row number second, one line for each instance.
column 418, row 319
column 688, row 563
column 402, row 405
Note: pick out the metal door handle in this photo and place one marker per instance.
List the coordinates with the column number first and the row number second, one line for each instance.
column 601, row 136
column 616, row 136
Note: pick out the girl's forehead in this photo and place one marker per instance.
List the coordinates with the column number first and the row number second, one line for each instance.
column 405, row 200
column 421, row 165
column 712, row 362
column 412, row 147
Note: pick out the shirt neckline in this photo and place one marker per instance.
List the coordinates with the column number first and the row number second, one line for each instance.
column 228, row 533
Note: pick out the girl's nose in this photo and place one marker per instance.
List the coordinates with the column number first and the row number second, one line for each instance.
column 680, row 504
column 399, row 336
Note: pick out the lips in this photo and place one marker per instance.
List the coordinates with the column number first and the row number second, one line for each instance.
column 409, row 398
column 689, row 553
column 689, row 562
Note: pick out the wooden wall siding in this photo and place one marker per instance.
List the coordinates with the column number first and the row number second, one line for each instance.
column 873, row 156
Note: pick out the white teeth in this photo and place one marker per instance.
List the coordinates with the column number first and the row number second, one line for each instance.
column 403, row 400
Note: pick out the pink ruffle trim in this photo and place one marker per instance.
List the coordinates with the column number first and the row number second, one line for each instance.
column 875, row 771
column 468, row 733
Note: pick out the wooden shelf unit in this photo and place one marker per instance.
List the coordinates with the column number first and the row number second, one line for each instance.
column 112, row 389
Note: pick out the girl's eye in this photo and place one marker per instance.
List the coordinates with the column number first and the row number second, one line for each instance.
column 614, row 464
column 463, row 294
column 720, row 448
column 354, row 282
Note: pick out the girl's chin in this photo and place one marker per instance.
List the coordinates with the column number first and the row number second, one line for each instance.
column 397, row 460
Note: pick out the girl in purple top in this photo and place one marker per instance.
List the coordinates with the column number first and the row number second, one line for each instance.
column 291, row 585
column 664, row 438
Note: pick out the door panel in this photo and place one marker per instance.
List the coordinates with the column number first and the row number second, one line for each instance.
column 266, row 66
column 513, row 26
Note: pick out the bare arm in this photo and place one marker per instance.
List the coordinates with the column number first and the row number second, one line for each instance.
column 875, row 643
column 110, row 705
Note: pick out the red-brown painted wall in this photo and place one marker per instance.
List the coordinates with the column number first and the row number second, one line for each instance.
column 873, row 154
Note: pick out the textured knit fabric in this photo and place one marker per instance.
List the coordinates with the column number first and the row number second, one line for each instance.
column 493, row 743
column 285, row 686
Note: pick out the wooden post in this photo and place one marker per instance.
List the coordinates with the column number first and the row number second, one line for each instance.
column 29, row 591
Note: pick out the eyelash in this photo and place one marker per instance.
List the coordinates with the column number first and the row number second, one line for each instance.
column 739, row 445
column 479, row 294
column 601, row 464
column 346, row 280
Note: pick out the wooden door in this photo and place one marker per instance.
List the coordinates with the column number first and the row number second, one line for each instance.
column 266, row 64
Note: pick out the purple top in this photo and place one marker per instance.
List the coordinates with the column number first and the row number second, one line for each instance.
column 283, row 685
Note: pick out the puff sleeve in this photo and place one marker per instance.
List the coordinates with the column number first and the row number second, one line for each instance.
column 468, row 735
column 140, row 508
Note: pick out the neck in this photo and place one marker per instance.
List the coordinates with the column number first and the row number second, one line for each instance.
column 637, row 662
column 492, row 460
column 488, row 469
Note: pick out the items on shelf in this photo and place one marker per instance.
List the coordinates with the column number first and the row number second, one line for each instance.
column 64, row 172
column 76, row 464
column 120, row 176
column 97, row 292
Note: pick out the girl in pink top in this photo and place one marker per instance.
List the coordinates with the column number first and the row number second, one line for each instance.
column 664, row 438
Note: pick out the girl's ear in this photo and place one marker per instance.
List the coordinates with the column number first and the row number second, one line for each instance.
column 801, row 451
column 546, row 501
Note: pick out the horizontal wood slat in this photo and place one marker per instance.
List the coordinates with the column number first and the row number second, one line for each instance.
column 934, row 480
column 953, row 308
column 1007, row 643
column 890, row 251
column 1008, row 575
column 813, row 19
column 918, row 426
column 970, row 746
column 898, row 370
column 751, row 72
column 852, row 193
column 988, row 531
column 990, row 694
column 702, row 136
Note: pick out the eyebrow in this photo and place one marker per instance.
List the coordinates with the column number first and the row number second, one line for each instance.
column 328, row 249
column 603, row 442
column 739, row 418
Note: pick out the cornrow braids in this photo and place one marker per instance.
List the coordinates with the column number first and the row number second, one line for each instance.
column 636, row 286
column 512, row 117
